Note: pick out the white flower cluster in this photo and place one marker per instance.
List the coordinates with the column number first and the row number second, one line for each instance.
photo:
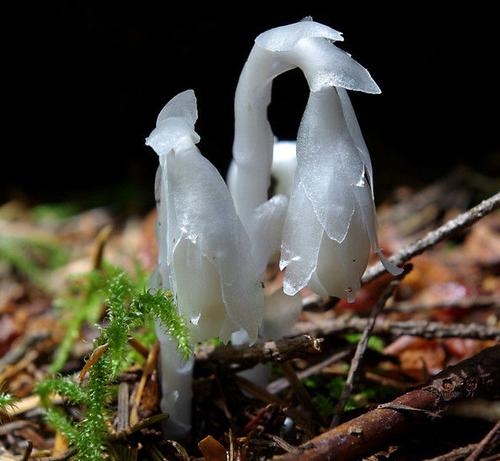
column 215, row 243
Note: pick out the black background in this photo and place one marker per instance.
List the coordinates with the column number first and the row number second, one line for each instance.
column 88, row 80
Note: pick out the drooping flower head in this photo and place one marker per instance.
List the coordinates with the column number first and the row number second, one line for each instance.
column 330, row 219
column 204, row 254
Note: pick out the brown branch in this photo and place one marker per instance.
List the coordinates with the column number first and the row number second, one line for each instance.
column 300, row 391
column 481, row 446
column 456, row 454
column 360, row 351
column 474, row 377
column 306, row 339
column 422, row 328
column 280, row 384
column 432, row 238
column 464, row 303
column 269, row 351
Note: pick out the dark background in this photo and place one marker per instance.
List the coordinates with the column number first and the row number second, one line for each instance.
column 89, row 80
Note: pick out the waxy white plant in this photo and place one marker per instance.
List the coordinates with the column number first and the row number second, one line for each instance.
column 330, row 222
column 322, row 219
column 204, row 252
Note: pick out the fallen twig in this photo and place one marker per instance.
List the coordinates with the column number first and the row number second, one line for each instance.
column 432, row 238
column 464, row 303
column 137, row 427
column 149, row 367
column 474, row 377
column 17, row 352
column 281, row 384
column 481, row 446
column 300, row 391
column 269, row 351
column 456, row 454
column 360, row 351
column 422, row 328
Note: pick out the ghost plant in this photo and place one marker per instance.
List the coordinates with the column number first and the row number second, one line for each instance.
column 214, row 249
column 330, row 220
column 204, row 252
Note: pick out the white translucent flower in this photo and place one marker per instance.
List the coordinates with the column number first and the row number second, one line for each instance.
column 204, row 253
column 330, row 222
column 204, row 245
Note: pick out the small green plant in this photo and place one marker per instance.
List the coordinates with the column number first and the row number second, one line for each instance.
column 128, row 308
column 327, row 391
column 375, row 343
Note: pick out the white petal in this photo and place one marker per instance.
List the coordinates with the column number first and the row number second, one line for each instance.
column 325, row 65
column 205, row 214
column 284, row 38
column 328, row 162
column 355, row 131
column 340, row 265
column 367, row 207
column 182, row 106
column 301, row 241
column 198, row 291
column 175, row 124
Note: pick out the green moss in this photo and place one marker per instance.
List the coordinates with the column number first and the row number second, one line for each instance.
column 129, row 308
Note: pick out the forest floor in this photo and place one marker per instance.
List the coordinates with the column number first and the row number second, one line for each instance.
column 409, row 371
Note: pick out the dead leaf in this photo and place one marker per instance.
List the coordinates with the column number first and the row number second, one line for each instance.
column 211, row 449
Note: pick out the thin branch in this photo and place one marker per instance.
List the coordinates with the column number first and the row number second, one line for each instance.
column 432, row 238
column 280, row 384
column 269, row 351
column 455, row 454
column 481, row 446
column 474, row 377
column 463, row 303
column 360, row 351
column 422, row 328
column 300, row 391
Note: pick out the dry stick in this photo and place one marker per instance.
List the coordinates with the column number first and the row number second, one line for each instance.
column 429, row 195
column 360, row 350
column 269, row 351
column 484, row 443
column 286, row 349
column 464, row 303
column 432, row 238
column 99, row 246
column 306, row 338
column 142, row 424
column 27, row 452
column 456, row 454
column 17, row 352
column 149, row 367
column 422, row 328
column 281, row 384
column 264, row 396
column 300, row 391
column 474, row 377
